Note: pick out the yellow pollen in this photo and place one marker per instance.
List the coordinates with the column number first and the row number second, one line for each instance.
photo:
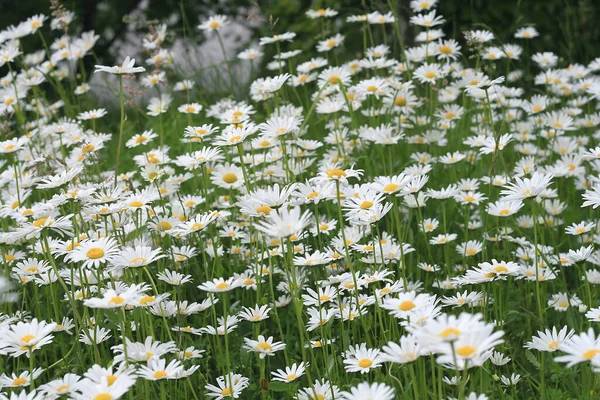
column 471, row 252
column 38, row 223
column 164, row 226
column 20, row 381
column 62, row 388
column 222, row 285
column 365, row 205
column 430, row 74
column 32, row 270
column 27, row 338
column 449, row 332
column 588, row 355
column 336, row 173
column 147, row 299
column 501, row 269
column 445, row 50
column 365, row 363
column 537, row 108
column 469, row 199
column 553, row 345
column 264, row 210
column 334, row 79
column 95, row 253
column 372, row 88
column 214, row 24
column 226, row 391
column 449, row 115
column 103, row 396
column 264, row 346
column 87, row 148
column 136, row 204
column 466, row 351
column 160, row 374
column 406, row 305
column 230, row 178
column 116, row 300
column 504, row 211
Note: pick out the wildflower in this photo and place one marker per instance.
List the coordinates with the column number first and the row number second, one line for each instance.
column 127, row 67
column 263, row 346
column 290, row 374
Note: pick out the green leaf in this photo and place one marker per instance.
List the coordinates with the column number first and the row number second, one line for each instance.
column 532, row 359
column 279, row 387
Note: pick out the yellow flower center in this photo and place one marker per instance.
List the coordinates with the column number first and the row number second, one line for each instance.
column 164, row 226
column 445, row 50
column 20, row 381
column 87, row 148
column 226, row 391
column 365, row 205
column 466, row 351
column 588, row 355
column 264, row 346
column 103, row 396
column 27, row 338
column 116, row 300
column 147, row 299
column 406, row 305
column 449, row 332
column 160, row 374
column 264, row 210
column 430, row 75
column 38, row 223
column 230, row 177
column 95, row 253
column 222, row 285
column 62, row 388
column 365, row 363
column 214, row 25
column 336, row 173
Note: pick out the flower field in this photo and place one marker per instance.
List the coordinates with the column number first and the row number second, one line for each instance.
column 413, row 221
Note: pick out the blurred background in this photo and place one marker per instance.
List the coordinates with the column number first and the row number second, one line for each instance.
column 569, row 28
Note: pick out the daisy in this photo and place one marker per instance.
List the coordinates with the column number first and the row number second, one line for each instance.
column 139, row 256
column 157, row 370
column 230, row 385
column 362, row 359
column 263, row 346
column 173, row 277
column 321, row 13
column 330, row 43
column 580, row 348
column 214, row 23
column 256, row 314
column 366, row 390
column 218, row 285
column 524, row 188
column 429, row 73
column 290, row 374
column 406, row 351
column 113, row 299
column 92, row 253
column 321, row 390
column 190, row 108
column 26, row 337
column 504, row 208
column 550, row 340
column 427, row 20
column 228, row 176
column 127, row 67
column 528, row 32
